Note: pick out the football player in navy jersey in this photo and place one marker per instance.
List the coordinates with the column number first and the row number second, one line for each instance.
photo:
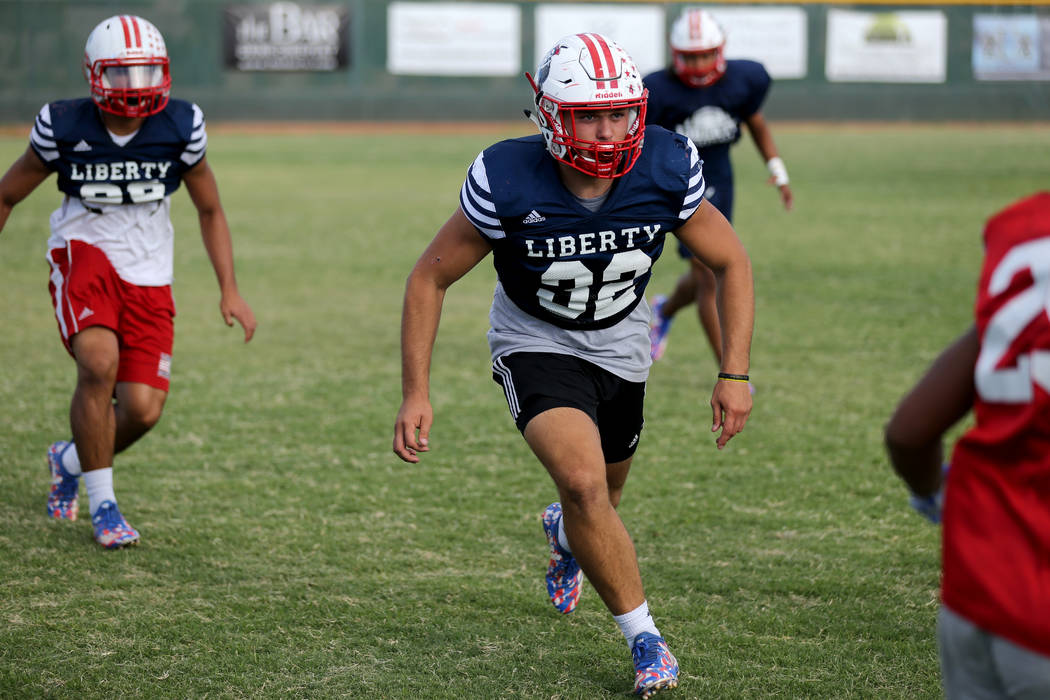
column 706, row 97
column 119, row 156
column 574, row 218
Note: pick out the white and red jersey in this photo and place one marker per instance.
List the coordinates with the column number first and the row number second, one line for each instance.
column 996, row 552
column 118, row 190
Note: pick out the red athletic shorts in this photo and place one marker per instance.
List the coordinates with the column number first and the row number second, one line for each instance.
column 86, row 291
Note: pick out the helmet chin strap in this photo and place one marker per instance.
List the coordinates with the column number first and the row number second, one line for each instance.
column 535, row 87
column 533, row 118
column 539, row 93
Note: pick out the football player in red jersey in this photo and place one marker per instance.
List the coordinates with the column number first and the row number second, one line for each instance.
column 119, row 155
column 994, row 500
column 575, row 217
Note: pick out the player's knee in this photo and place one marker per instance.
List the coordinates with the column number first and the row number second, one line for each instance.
column 149, row 415
column 97, row 356
column 95, row 368
column 143, row 412
column 584, row 495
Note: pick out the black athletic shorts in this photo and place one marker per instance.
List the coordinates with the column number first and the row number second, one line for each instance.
column 534, row 382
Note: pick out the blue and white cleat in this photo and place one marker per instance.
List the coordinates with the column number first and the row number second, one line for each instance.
column 62, row 501
column 564, row 577
column 659, row 328
column 111, row 529
column 655, row 667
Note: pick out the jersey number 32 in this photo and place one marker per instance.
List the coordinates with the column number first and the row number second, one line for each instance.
column 567, row 287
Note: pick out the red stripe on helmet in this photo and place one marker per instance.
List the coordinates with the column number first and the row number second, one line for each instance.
column 127, row 31
column 609, row 59
column 694, row 25
column 601, row 58
column 138, row 36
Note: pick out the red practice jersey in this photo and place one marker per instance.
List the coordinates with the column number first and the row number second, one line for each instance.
column 996, row 552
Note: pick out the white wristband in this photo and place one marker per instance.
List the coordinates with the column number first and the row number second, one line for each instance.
column 778, row 171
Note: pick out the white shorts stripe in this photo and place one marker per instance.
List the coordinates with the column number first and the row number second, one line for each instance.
column 60, row 297
column 508, row 387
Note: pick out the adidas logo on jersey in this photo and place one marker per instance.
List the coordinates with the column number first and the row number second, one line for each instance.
column 82, row 146
column 85, row 313
column 534, row 217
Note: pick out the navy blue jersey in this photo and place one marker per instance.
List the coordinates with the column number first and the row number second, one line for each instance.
column 560, row 262
column 71, row 139
column 709, row 116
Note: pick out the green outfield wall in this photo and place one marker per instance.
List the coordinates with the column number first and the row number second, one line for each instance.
column 41, row 49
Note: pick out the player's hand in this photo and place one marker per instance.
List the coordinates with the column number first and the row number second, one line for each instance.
column 730, row 406
column 232, row 306
column 930, row 507
column 785, row 194
column 412, row 429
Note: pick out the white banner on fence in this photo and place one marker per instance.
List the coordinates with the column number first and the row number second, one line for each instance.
column 459, row 39
column 638, row 29
column 887, row 47
column 1011, row 47
column 776, row 37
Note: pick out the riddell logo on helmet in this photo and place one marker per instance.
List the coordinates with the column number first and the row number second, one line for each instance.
column 608, row 95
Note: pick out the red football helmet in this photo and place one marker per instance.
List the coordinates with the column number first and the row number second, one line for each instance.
column 126, row 64
column 587, row 73
column 694, row 32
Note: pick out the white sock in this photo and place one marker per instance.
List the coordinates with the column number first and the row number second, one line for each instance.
column 635, row 622
column 99, row 483
column 562, row 539
column 70, row 460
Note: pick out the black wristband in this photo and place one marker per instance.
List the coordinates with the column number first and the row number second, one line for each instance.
column 734, row 377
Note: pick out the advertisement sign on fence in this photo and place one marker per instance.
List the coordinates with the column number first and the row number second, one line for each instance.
column 456, row 39
column 639, row 30
column 1011, row 47
column 773, row 36
column 887, row 47
column 286, row 36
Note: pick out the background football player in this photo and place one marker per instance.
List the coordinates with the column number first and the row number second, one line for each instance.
column 994, row 624
column 575, row 217
column 119, row 156
column 706, row 97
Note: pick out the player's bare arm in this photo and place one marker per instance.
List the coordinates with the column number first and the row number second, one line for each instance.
column 24, row 176
column 937, row 402
column 763, row 138
column 215, row 232
column 714, row 242
column 455, row 250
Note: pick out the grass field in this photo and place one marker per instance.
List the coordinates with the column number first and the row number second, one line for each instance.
column 287, row 553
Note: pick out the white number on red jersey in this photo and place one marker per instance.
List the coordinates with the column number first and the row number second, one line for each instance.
column 1015, row 384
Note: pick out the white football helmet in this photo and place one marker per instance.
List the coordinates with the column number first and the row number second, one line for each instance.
column 589, row 72
column 126, row 64
column 696, row 31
